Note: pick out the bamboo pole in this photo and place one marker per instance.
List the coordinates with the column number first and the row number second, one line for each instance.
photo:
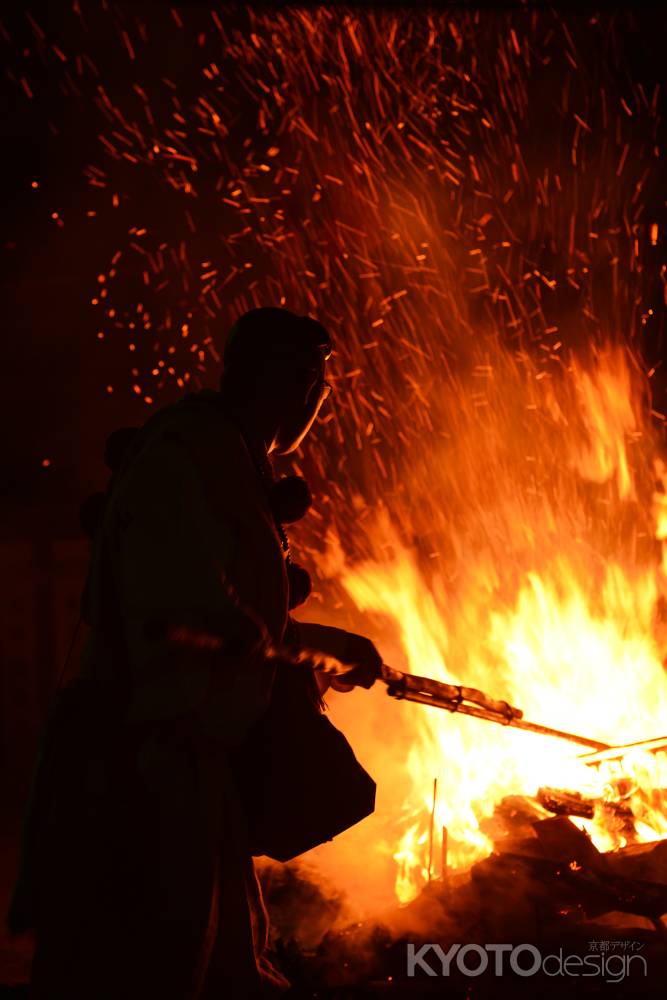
column 431, row 829
column 615, row 753
column 470, row 701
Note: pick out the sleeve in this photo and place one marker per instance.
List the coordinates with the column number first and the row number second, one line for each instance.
column 324, row 638
column 173, row 551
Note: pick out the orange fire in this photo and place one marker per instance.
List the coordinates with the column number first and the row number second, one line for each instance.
column 542, row 583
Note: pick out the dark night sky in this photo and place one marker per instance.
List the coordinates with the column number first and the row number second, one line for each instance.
column 53, row 387
column 53, row 379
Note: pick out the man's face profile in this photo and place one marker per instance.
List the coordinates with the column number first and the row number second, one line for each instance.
column 303, row 405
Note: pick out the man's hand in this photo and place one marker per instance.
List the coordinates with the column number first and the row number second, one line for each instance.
column 358, row 662
column 361, row 661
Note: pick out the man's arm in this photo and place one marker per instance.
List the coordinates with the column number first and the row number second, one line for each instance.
column 360, row 661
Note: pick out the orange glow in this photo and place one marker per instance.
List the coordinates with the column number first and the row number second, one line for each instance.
column 548, row 538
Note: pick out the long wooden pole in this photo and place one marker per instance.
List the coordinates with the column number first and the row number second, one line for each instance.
column 615, row 753
column 430, row 835
column 470, row 701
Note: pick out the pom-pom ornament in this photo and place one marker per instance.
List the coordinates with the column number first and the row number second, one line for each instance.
column 290, row 499
column 300, row 585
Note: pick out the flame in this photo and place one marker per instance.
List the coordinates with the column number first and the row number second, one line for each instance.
column 660, row 510
column 543, row 589
column 609, row 418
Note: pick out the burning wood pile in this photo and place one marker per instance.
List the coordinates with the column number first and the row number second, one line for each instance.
column 545, row 891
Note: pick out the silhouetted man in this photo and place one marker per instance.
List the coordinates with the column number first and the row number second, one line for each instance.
column 151, row 889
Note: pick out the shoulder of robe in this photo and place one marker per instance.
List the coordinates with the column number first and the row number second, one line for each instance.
column 199, row 424
column 195, row 431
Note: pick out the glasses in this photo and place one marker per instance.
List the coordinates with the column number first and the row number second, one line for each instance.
column 325, row 390
column 319, row 391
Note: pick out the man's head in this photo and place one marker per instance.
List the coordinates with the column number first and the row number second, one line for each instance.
column 274, row 363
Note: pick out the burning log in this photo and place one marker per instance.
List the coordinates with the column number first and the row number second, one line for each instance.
column 589, row 874
column 513, row 817
column 564, row 803
column 569, row 803
column 557, row 879
column 646, row 862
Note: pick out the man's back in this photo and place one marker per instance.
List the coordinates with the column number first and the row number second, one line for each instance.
column 188, row 533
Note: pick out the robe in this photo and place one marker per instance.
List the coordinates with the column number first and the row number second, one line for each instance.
column 151, row 890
